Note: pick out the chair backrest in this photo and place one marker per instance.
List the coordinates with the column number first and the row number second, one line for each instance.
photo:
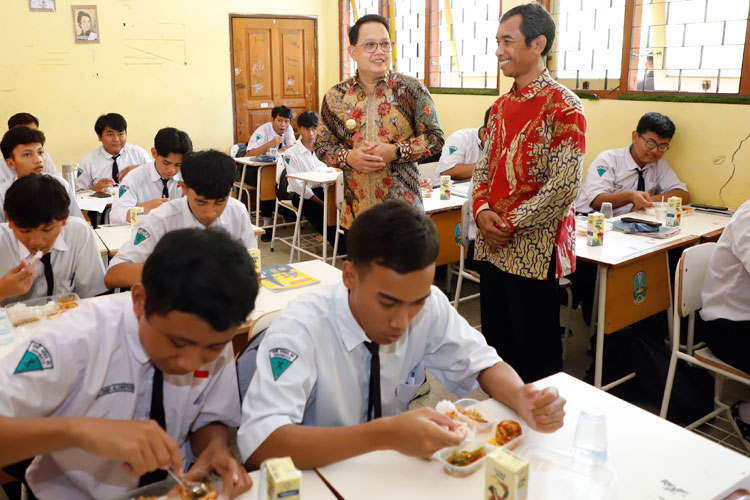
column 466, row 216
column 340, row 191
column 427, row 170
column 247, row 359
column 689, row 277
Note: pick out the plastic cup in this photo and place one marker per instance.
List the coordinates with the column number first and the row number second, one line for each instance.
column 660, row 210
column 590, row 441
column 606, row 209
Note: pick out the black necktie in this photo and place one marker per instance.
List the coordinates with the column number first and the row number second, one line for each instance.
column 373, row 396
column 164, row 190
column 115, row 170
column 48, row 275
column 156, row 413
column 641, row 180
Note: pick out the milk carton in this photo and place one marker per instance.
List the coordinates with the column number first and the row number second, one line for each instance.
column 506, row 476
column 674, row 211
column 282, row 479
column 135, row 214
column 595, row 230
column 445, row 187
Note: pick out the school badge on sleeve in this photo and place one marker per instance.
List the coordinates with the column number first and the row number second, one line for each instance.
column 36, row 358
column 141, row 235
column 281, row 359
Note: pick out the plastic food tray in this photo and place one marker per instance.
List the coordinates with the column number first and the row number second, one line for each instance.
column 463, row 470
column 30, row 312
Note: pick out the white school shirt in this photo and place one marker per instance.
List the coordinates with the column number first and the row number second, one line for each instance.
column 313, row 367
column 90, row 362
column 8, row 173
column 265, row 133
column 98, row 164
column 614, row 171
column 75, row 210
column 142, row 184
column 76, row 262
column 726, row 289
column 298, row 159
column 176, row 214
column 463, row 146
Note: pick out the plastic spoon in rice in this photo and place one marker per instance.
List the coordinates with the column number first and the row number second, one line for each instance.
column 194, row 488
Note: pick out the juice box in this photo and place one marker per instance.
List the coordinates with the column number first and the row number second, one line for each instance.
column 595, row 230
column 135, row 214
column 445, row 187
column 255, row 255
column 674, row 211
column 506, row 476
column 282, row 479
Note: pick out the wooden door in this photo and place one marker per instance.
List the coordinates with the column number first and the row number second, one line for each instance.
column 275, row 62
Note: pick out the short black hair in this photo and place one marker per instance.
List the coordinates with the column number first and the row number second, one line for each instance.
column 170, row 140
column 535, row 21
column 487, row 116
column 395, row 235
column 22, row 119
column 283, row 111
column 35, row 200
column 81, row 14
column 369, row 18
column 115, row 121
column 20, row 135
column 220, row 286
column 657, row 123
column 209, row 173
column 308, row 119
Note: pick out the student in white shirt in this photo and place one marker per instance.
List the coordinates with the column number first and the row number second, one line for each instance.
column 158, row 181
column 301, row 158
column 136, row 382
column 70, row 258
column 461, row 152
column 634, row 177
column 23, row 150
column 314, row 396
column 31, row 121
column 207, row 179
column 107, row 164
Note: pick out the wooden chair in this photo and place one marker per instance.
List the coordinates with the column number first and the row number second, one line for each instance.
column 688, row 282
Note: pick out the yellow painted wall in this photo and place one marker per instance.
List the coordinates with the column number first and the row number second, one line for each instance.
column 160, row 63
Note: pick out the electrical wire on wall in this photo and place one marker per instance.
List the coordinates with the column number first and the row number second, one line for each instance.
column 734, row 168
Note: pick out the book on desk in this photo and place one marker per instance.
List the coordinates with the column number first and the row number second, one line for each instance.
column 284, row 277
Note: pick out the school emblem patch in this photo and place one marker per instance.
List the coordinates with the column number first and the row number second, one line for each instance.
column 288, row 160
column 639, row 287
column 257, row 137
column 36, row 358
column 141, row 235
column 281, row 359
column 601, row 170
column 452, row 149
column 123, row 190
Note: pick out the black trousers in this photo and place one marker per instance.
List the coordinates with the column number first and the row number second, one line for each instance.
column 728, row 340
column 521, row 319
column 314, row 214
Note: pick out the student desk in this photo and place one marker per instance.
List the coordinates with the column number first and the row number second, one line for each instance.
column 446, row 214
column 267, row 301
column 327, row 180
column 632, row 280
column 115, row 235
column 313, row 488
column 86, row 201
column 266, row 182
column 650, row 456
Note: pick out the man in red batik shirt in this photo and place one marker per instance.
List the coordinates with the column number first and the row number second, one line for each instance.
column 525, row 186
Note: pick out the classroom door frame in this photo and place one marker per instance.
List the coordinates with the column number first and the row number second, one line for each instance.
column 316, row 90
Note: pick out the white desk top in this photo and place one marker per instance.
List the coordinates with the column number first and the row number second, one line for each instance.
column 313, row 488
column 319, row 177
column 253, row 163
column 268, row 301
column 88, row 202
column 434, row 204
column 647, row 453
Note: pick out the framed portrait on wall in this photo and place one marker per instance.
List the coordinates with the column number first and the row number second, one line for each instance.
column 42, row 5
column 85, row 23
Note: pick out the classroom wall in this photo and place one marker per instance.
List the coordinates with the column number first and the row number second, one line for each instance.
column 159, row 63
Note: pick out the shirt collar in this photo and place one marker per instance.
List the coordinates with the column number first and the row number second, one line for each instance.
column 192, row 221
column 534, row 87
column 108, row 156
column 383, row 80
column 630, row 162
column 351, row 333
column 152, row 172
column 131, row 325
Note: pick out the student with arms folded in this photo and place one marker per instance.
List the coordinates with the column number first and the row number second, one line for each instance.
column 316, row 394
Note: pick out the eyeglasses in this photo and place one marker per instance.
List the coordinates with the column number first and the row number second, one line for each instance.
column 370, row 47
column 651, row 144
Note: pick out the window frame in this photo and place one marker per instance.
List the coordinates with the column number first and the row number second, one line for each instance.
column 627, row 47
